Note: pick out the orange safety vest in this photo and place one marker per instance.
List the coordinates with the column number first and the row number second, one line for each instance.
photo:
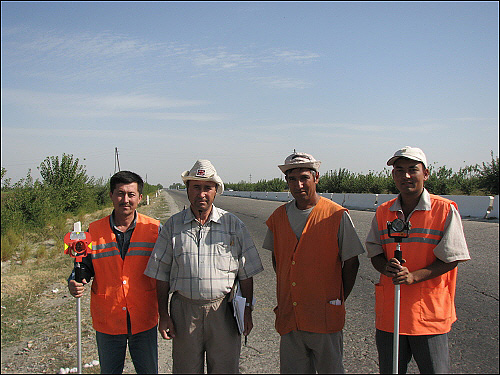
column 308, row 271
column 120, row 285
column 428, row 307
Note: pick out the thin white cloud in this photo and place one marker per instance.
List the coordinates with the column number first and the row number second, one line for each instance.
column 295, row 55
column 469, row 119
column 220, row 59
column 282, row 83
column 114, row 105
column 52, row 44
column 51, row 132
column 421, row 128
column 55, row 56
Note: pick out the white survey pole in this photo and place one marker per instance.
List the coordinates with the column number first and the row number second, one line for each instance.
column 395, row 344
column 77, row 227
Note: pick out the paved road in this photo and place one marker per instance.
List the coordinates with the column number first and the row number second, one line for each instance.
column 473, row 339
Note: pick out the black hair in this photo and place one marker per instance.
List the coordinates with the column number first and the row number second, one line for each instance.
column 125, row 177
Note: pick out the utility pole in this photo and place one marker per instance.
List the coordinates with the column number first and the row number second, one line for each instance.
column 117, row 160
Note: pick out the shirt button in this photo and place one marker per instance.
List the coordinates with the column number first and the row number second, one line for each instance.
column 294, row 283
column 293, row 262
column 124, row 308
column 124, row 282
column 295, row 303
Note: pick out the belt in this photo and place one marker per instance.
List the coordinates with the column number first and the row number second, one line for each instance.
column 199, row 301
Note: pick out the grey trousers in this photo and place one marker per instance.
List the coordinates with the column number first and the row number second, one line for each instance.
column 143, row 348
column 204, row 328
column 307, row 353
column 431, row 352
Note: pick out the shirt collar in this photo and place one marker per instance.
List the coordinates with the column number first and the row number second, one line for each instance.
column 113, row 223
column 424, row 204
column 215, row 215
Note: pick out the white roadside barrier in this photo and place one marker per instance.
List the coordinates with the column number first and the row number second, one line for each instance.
column 469, row 206
column 360, row 201
column 472, row 206
column 284, row 197
column 382, row 198
column 259, row 194
column 494, row 213
column 338, row 198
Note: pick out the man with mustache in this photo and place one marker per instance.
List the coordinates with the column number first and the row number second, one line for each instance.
column 123, row 300
column 315, row 255
column 427, row 274
column 200, row 253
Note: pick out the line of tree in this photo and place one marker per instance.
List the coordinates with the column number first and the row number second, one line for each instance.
column 470, row 180
column 37, row 206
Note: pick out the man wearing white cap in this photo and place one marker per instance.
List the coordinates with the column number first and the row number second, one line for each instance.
column 431, row 252
column 315, row 255
column 200, row 253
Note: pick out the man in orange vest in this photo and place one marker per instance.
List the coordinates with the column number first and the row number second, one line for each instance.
column 123, row 300
column 315, row 255
column 434, row 247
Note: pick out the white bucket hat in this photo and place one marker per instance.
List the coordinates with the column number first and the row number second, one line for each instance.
column 409, row 152
column 203, row 170
column 300, row 160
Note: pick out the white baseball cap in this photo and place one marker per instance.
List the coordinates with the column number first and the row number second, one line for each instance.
column 300, row 160
column 409, row 152
column 203, row 170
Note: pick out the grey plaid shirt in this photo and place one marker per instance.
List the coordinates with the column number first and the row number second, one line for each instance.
column 202, row 261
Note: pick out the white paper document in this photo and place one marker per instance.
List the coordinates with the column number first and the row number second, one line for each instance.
column 239, row 308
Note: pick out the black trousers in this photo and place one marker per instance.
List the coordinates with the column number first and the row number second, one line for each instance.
column 143, row 348
column 431, row 352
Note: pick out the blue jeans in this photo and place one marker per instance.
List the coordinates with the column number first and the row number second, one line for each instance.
column 431, row 352
column 143, row 348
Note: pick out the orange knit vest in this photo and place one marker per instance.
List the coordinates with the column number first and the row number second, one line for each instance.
column 308, row 271
column 120, row 285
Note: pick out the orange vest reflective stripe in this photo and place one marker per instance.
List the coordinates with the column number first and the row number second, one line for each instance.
column 428, row 307
column 120, row 285
column 308, row 271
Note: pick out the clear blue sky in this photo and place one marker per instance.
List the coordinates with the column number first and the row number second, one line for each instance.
column 244, row 83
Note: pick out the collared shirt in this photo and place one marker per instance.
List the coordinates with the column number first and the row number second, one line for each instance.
column 348, row 240
column 122, row 238
column 451, row 247
column 202, row 261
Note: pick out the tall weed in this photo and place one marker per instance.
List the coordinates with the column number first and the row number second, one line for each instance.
column 10, row 241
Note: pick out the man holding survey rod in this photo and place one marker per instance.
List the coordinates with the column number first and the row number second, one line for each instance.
column 432, row 247
column 200, row 254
